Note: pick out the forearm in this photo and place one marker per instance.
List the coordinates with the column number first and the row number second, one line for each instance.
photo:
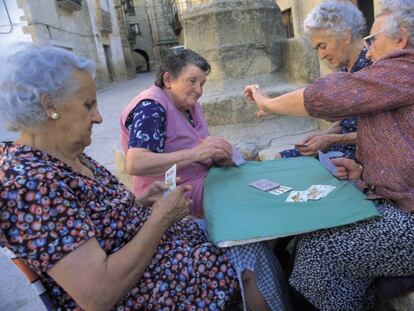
column 335, row 128
column 95, row 280
column 125, row 267
column 288, row 104
column 152, row 164
column 344, row 139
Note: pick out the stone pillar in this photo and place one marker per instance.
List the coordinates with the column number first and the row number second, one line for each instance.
column 239, row 38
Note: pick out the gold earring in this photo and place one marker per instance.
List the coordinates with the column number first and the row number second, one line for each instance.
column 54, row 115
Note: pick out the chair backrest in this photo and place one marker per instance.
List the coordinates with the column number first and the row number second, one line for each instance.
column 32, row 277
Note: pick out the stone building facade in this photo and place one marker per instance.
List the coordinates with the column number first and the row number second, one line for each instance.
column 160, row 14
column 153, row 28
column 89, row 28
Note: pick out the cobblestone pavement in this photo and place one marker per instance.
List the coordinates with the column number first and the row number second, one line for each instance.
column 15, row 292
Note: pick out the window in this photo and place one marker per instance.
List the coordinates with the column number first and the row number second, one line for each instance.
column 288, row 22
column 130, row 9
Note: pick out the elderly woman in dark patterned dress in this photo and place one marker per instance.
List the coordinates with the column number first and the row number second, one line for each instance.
column 335, row 268
column 93, row 244
column 335, row 29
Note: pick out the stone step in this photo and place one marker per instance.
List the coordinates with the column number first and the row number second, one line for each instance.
column 277, row 132
column 225, row 103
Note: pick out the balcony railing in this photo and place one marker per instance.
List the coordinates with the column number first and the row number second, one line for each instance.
column 104, row 21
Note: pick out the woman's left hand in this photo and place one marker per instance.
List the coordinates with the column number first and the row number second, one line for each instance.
column 347, row 169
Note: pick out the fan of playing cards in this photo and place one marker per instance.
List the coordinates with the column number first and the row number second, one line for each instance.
column 170, row 179
column 314, row 192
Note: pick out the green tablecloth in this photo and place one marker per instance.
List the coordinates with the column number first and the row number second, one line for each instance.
column 237, row 213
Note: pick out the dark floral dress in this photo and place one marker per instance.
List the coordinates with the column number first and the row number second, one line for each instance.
column 147, row 124
column 48, row 210
column 347, row 125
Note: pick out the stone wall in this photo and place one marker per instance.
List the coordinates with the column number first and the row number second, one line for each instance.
column 77, row 31
column 163, row 37
column 143, row 39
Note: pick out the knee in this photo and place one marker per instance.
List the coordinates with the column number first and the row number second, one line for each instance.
column 248, row 277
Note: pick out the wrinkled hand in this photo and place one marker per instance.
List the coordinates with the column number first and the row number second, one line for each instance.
column 174, row 207
column 222, row 159
column 253, row 92
column 213, row 148
column 347, row 169
column 154, row 192
column 315, row 143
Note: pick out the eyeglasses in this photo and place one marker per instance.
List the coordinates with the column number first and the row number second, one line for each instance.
column 369, row 40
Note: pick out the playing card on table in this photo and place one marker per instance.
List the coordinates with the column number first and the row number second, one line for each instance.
column 170, row 179
column 316, row 192
column 297, row 196
column 264, row 184
column 280, row 190
column 326, row 162
column 237, row 157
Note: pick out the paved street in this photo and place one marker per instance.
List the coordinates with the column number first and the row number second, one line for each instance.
column 15, row 292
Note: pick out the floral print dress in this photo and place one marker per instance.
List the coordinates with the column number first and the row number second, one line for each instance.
column 48, row 210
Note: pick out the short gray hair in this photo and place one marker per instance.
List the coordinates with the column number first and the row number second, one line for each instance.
column 401, row 15
column 31, row 71
column 336, row 16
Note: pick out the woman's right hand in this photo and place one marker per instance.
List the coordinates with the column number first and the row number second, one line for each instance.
column 172, row 208
column 253, row 92
column 212, row 147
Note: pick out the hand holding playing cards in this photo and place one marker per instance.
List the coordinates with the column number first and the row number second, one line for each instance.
column 214, row 148
column 154, row 192
column 347, row 169
column 253, row 92
column 172, row 208
column 314, row 143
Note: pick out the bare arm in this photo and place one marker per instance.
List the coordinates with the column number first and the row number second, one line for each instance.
column 348, row 138
column 141, row 161
column 335, row 128
column 287, row 104
column 95, row 280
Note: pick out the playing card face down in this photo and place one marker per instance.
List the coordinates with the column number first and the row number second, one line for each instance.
column 326, row 162
column 297, row 146
column 264, row 184
column 334, row 154
column 237, row 157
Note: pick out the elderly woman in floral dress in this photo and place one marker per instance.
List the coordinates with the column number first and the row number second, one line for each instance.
column 335, row 29
column 335, row 268
column 93, row 244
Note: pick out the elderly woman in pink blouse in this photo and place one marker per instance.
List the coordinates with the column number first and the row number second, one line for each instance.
column 335, row 268
column 165, row 125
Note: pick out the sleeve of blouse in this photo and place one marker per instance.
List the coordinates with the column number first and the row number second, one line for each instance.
column 383, row 86
column 45, row 222
column 147, row 129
